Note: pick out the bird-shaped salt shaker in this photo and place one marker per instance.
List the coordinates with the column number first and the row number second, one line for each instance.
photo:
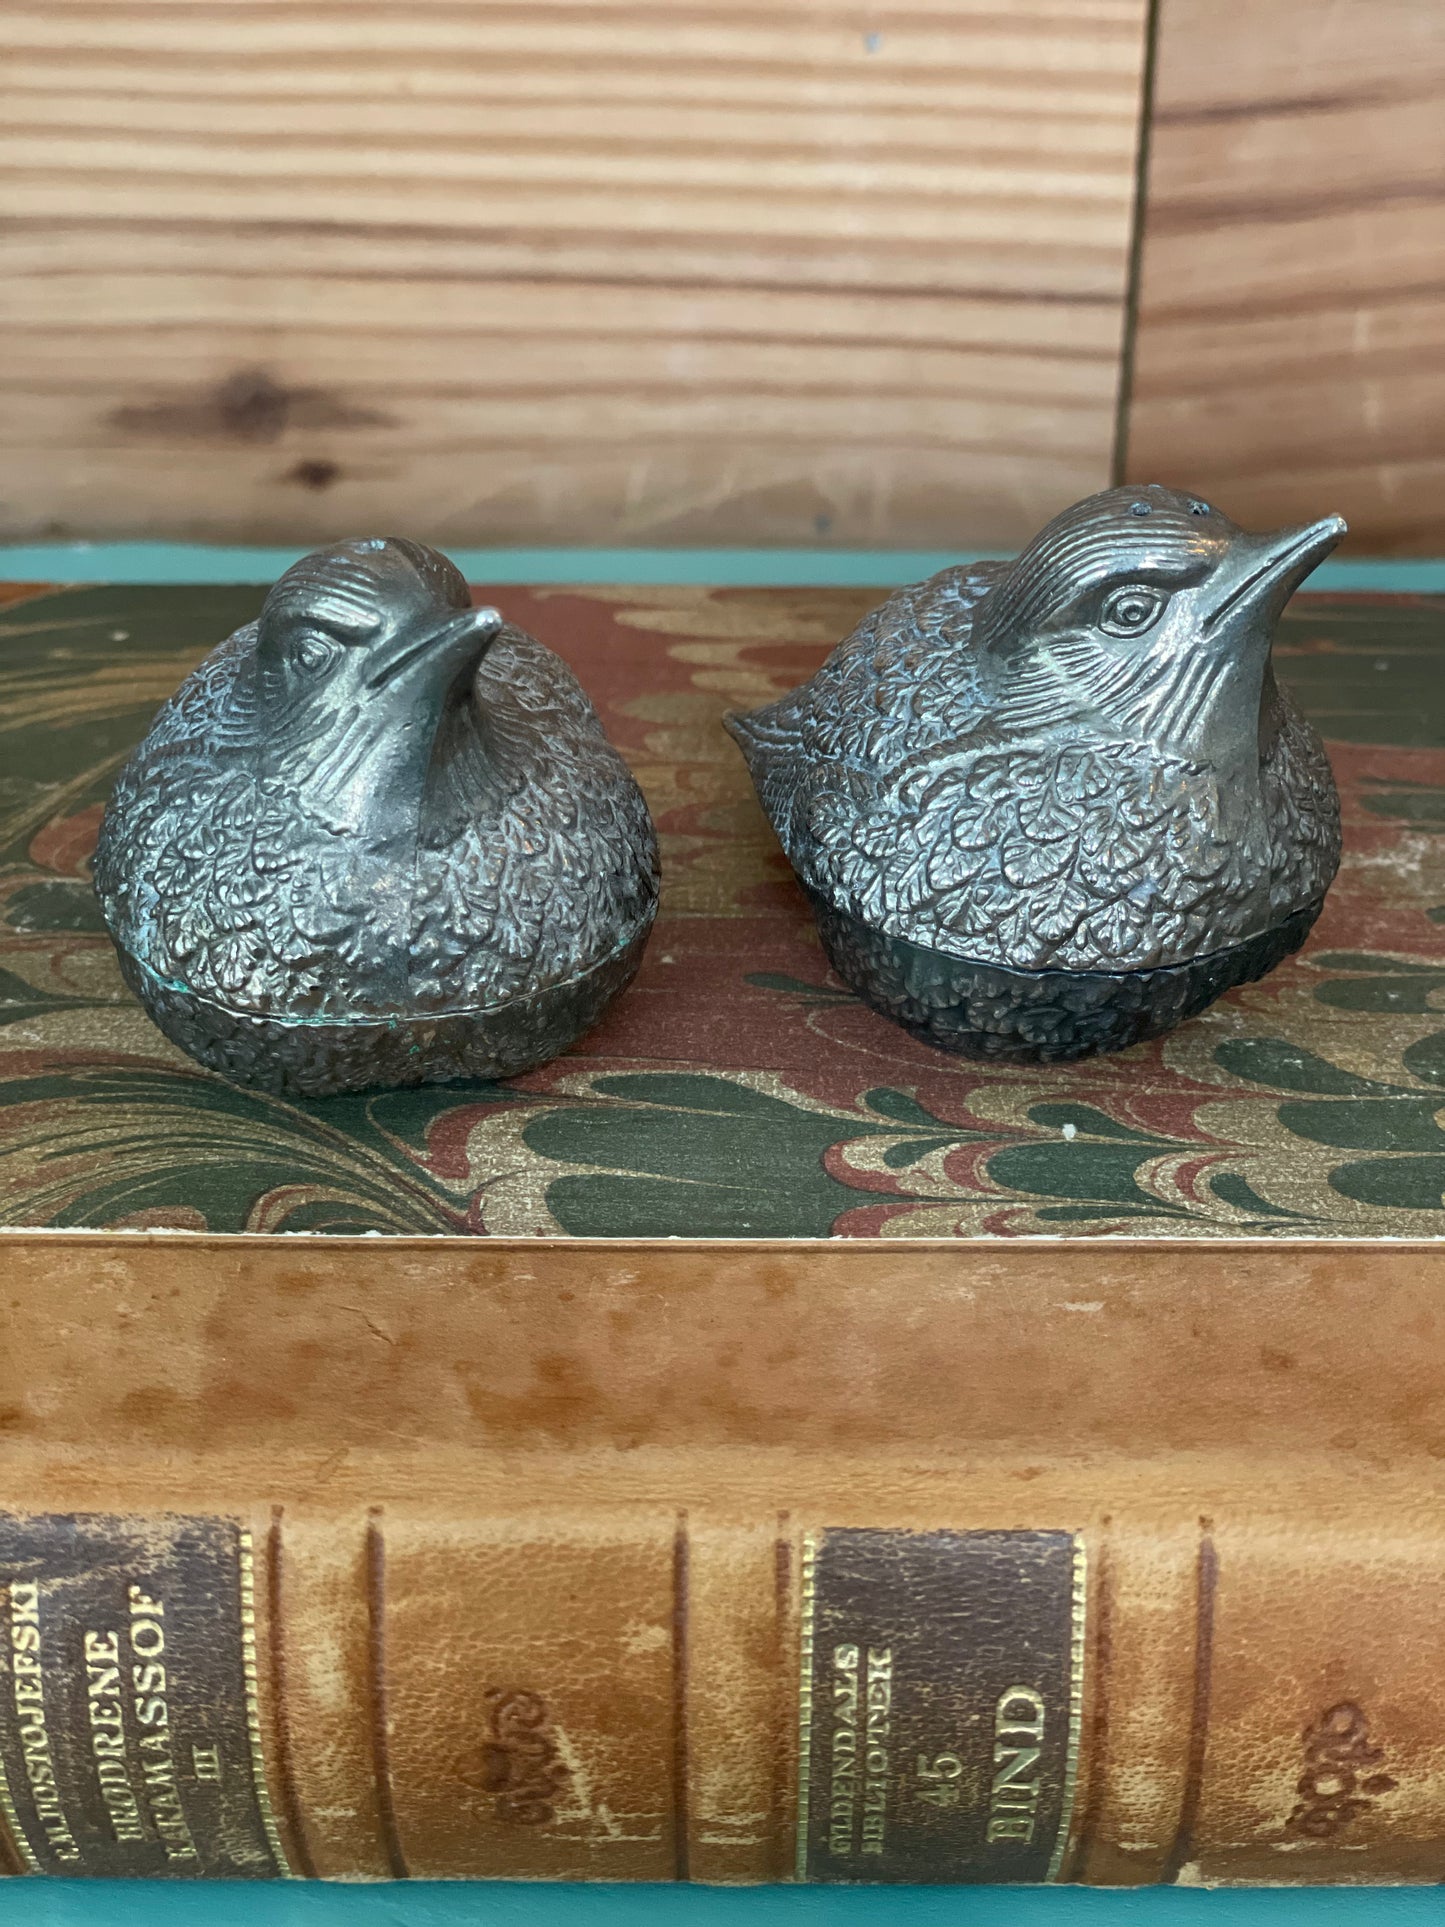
column 377, row 838
column 1054, row 807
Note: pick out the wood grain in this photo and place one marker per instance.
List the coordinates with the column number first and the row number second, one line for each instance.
column 1290, row 350
column 563, row 271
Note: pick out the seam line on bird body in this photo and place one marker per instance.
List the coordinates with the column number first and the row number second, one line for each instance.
column 372, row 1022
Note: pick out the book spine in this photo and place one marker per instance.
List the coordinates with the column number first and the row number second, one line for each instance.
column 1136, row 1693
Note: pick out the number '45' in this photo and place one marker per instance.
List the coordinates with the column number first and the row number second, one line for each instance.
column 942, row 1773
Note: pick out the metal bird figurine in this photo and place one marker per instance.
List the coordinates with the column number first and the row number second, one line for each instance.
column 377, row 838
column 1056, row 806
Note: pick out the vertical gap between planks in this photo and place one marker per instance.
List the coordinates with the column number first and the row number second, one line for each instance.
column 1123, row 401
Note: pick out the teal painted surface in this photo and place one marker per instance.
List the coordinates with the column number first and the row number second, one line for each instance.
column 182, row 562
column 504, row 1904
column 81, row 1903
column 178, row 562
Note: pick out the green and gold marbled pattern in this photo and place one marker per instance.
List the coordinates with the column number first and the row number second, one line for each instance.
column 736, row 1090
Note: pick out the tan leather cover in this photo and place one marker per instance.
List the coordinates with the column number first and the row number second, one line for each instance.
column 529, row 1595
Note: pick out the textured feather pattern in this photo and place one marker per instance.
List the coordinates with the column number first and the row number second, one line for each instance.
column 900, row 800
column 534, row 862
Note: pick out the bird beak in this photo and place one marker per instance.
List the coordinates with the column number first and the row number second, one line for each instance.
column 1262, row 572
column 450, row 651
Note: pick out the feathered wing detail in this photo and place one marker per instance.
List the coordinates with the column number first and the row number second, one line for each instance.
column 146, row 791
column 903, row 681
column 1302, row 812
column 174, row 862
column 898, row 804
column 537, row 888
column 1041, row 855
column 217, row 887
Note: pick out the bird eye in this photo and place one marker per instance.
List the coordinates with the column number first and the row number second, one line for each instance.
column 315, row 653
column 1131, row 610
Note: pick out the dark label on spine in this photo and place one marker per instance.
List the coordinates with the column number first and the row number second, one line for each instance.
column 128, row 1735
column 941, row 1683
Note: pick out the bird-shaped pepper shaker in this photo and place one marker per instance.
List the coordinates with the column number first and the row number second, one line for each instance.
column 377, row 838
column 1053, row 807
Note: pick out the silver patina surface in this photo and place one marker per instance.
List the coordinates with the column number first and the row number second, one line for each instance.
column 377, row 838
column 1054, row 806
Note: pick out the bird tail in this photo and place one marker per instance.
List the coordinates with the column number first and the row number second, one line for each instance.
column 771, row 742
column 744, row 731
column 765, row 736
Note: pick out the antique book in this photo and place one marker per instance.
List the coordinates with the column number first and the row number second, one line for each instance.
column 754, row 1447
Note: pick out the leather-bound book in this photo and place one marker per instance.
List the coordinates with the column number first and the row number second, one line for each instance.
column 756, row 1446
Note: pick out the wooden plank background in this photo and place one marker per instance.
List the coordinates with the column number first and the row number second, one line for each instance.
column 1290, row 352
column 711, row 271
